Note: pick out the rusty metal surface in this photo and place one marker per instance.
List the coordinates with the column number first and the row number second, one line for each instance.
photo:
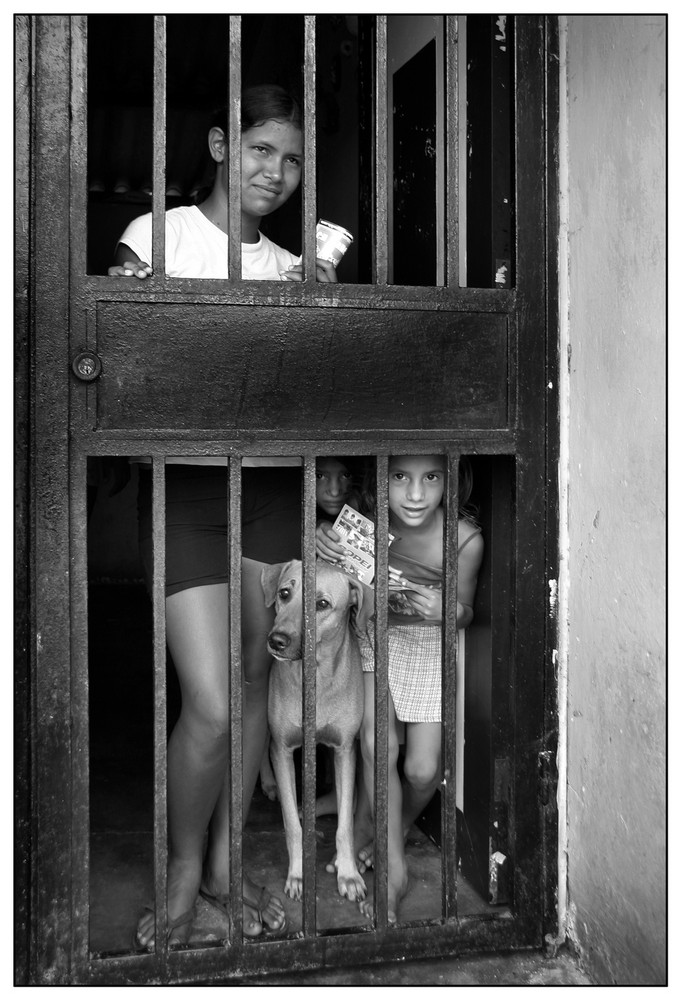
column 449, row 686
column 381, row 694
column 309, row 702
column 234, row 118
column 380, row 248
column 51, row 744
column 264, row 376
column 235, row 760
column 158, row 188
column 452, row 152
column 23, row 646
column 500, row 932
column 80, row 728
column 158, row 491
column 309, row 191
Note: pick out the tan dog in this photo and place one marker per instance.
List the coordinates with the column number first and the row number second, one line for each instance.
column 339, row 702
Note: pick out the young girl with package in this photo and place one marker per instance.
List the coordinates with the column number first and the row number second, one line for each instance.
column 415, row 491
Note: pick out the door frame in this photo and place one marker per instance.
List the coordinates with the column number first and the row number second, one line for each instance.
column 45, row 739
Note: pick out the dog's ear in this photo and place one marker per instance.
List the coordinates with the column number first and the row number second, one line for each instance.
column 362, row 599
column 269, row 578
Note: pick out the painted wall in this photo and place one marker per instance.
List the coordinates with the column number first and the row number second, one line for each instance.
column 616, row 811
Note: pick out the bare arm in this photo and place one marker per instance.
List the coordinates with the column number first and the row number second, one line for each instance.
column 427, row 601
column 128, row 265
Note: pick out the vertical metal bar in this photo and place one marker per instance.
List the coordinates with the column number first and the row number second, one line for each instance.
column 234, row 149
column 381, row 139
column 24, row 358
column 309, row 702
column 80, row 807
column 158, row 494
column 235, row 763
column 461, row 84
column 310, row 148
column 449, row 655
column 158, row 194
column 78, row 155
column 381, row 792
column 451, row 127
column 47, row 89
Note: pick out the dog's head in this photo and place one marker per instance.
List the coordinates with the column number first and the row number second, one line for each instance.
column 337, row 596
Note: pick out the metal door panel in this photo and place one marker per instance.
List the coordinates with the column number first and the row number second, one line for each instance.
column 309, row 371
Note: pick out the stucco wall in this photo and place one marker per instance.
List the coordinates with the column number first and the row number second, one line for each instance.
column 616, row 809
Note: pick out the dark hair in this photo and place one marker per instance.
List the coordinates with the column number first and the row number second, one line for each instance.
column 466, row 510
column 262, row 103
column 356, row 467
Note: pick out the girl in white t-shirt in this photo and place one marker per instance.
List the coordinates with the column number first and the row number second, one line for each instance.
column 197, row 621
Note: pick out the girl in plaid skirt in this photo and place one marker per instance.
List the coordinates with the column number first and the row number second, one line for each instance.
column 415, row 492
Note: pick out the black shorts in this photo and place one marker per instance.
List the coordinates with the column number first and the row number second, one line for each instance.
column 197, row 521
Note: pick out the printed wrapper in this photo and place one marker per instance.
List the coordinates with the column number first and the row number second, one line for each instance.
column 357, row 538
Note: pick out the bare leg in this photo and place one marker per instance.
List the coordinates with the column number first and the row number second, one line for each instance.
column 422, row 766
column 397, row 862
column 197, row 634
column 256, row 621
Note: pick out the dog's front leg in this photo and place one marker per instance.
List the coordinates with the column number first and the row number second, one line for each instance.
column 350, row 882
column 282, row 758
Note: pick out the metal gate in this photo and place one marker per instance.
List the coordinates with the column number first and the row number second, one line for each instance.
column 166, row 367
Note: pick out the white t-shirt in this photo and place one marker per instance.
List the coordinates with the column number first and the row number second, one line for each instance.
column 195, row 248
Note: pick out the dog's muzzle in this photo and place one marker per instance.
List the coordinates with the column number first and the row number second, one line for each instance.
column 279, row 645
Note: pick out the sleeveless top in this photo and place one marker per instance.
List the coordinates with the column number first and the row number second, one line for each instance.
column 400, row 611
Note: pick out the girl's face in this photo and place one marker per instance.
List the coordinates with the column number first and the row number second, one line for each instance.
column 334, row 483
column 271, row 167
column 416, row 485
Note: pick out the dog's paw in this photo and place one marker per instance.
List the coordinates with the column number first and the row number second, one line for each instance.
column 294, row 886
column 269, row 790
column 352, row 887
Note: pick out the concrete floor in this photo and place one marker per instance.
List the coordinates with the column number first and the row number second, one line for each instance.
column 121, row 844
column 122, row 871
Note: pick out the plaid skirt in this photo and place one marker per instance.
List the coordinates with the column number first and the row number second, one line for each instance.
column 414, row 669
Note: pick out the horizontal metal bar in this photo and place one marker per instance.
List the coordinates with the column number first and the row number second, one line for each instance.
column 322, row 295
column 207, row 442
column 500, row 931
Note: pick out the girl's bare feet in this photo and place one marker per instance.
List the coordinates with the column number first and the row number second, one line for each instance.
column 262, row 902
column 183, row 887
column 398, row 883
column 366, row 854
column 260, row 908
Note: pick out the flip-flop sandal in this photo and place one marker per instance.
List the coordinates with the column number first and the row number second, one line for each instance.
column 221, row 903
column 188, row 917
